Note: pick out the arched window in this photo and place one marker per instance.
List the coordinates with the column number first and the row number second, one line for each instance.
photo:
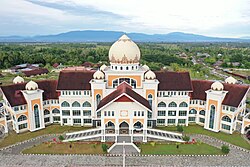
column 126, row 68
column 55, row 111
column 65, row 104
column 86, row 104
column 162, row 104
column 98, row 99
column 226, row 118
column 22, row 118
column 212, row 114
column 36, row 114
column 183, row 104
column 46, row 112
column 172, row 104
column 150, row 99
column 202, row 112
column 193, row 111
column 76, row 104
column 110, row 125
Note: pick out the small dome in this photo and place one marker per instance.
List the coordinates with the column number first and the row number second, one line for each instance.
column 217, row 86
column 98, row 75
column 230, row 80
column 18, row 79
column 31, row 85
column 124, row 51
column 102, row 68
column 145, row 67
column 150, row 75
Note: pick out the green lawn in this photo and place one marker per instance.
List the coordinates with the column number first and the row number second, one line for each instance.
column 184, row 149
column 235, row 138
column 64, row 148
column 52, row 129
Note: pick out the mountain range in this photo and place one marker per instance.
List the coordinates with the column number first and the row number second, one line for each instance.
column 111, row 36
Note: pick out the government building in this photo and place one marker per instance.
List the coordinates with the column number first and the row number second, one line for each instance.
column 124, row 98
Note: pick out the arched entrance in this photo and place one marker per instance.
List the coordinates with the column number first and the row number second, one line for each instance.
column 247, row 132
column 110, row 127
column 124, row 128
column 138, row 127
column 2, row 130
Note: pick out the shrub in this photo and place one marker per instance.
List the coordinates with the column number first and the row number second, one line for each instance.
column 152, row 144
column 186, row 138
column 61, row 138
column 94, row 145
column 180, row 128
column 104, row 148
column 225, row 149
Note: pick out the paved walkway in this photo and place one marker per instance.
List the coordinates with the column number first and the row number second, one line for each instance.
column 12, row 158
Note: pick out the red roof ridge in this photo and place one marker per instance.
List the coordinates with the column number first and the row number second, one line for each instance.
column 124, row 85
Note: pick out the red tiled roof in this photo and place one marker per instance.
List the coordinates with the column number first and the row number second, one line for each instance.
column 178, row 81
column 75, row 80
column 126, row 89
column 233, row 97
column 36, row 71
column 15, row 97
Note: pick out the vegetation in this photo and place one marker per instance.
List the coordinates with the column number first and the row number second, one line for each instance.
column 186, row 138
column 13, row 137
column 180, row 149
column 104, row 148
column 179, row 128
column 225, row 149
column 61, row 138
column 234, row 138
column 66, row 148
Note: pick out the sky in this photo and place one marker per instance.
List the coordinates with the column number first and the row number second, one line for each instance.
column 221, row 18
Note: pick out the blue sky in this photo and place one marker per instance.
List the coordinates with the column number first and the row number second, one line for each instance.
column 223, row 18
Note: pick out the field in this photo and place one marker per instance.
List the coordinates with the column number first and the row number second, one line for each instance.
column 64, row 148
column 184, row 149
column 13, row 137
column 235, row 138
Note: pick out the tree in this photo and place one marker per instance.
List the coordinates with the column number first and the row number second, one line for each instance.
column 186, row 138
column 179, row 128
column 104, row 148
column 225, row 149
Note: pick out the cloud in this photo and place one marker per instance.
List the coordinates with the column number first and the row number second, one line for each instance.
column 207, row 17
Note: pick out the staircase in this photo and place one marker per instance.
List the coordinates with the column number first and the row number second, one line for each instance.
column 164, row 135
column 83, row 135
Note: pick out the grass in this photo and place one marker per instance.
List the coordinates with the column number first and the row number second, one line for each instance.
column 234, row 138
column 184, row 149
column 64, row 148
column 13, row 137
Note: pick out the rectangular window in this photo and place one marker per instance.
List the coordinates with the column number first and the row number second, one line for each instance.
column 161, row 113
column 142, row 113
column 161, row 121
column 182, row 113
column 191, row 119
column 16, row 108
column 226, row 127
column 46, row 120
column 113, row 113
column 87, row 113
column 22, row 126
column 181, row 121
column 65, row 112
column 87, row 121
column 202, row 120
column 171, row 121
column 65, row 121
column 135, row 113
column 76, row 112
column 105, row 113
column 139, row 113
column 149, row 114
column 171, row 113
column 56, row 119
column 77, row 121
